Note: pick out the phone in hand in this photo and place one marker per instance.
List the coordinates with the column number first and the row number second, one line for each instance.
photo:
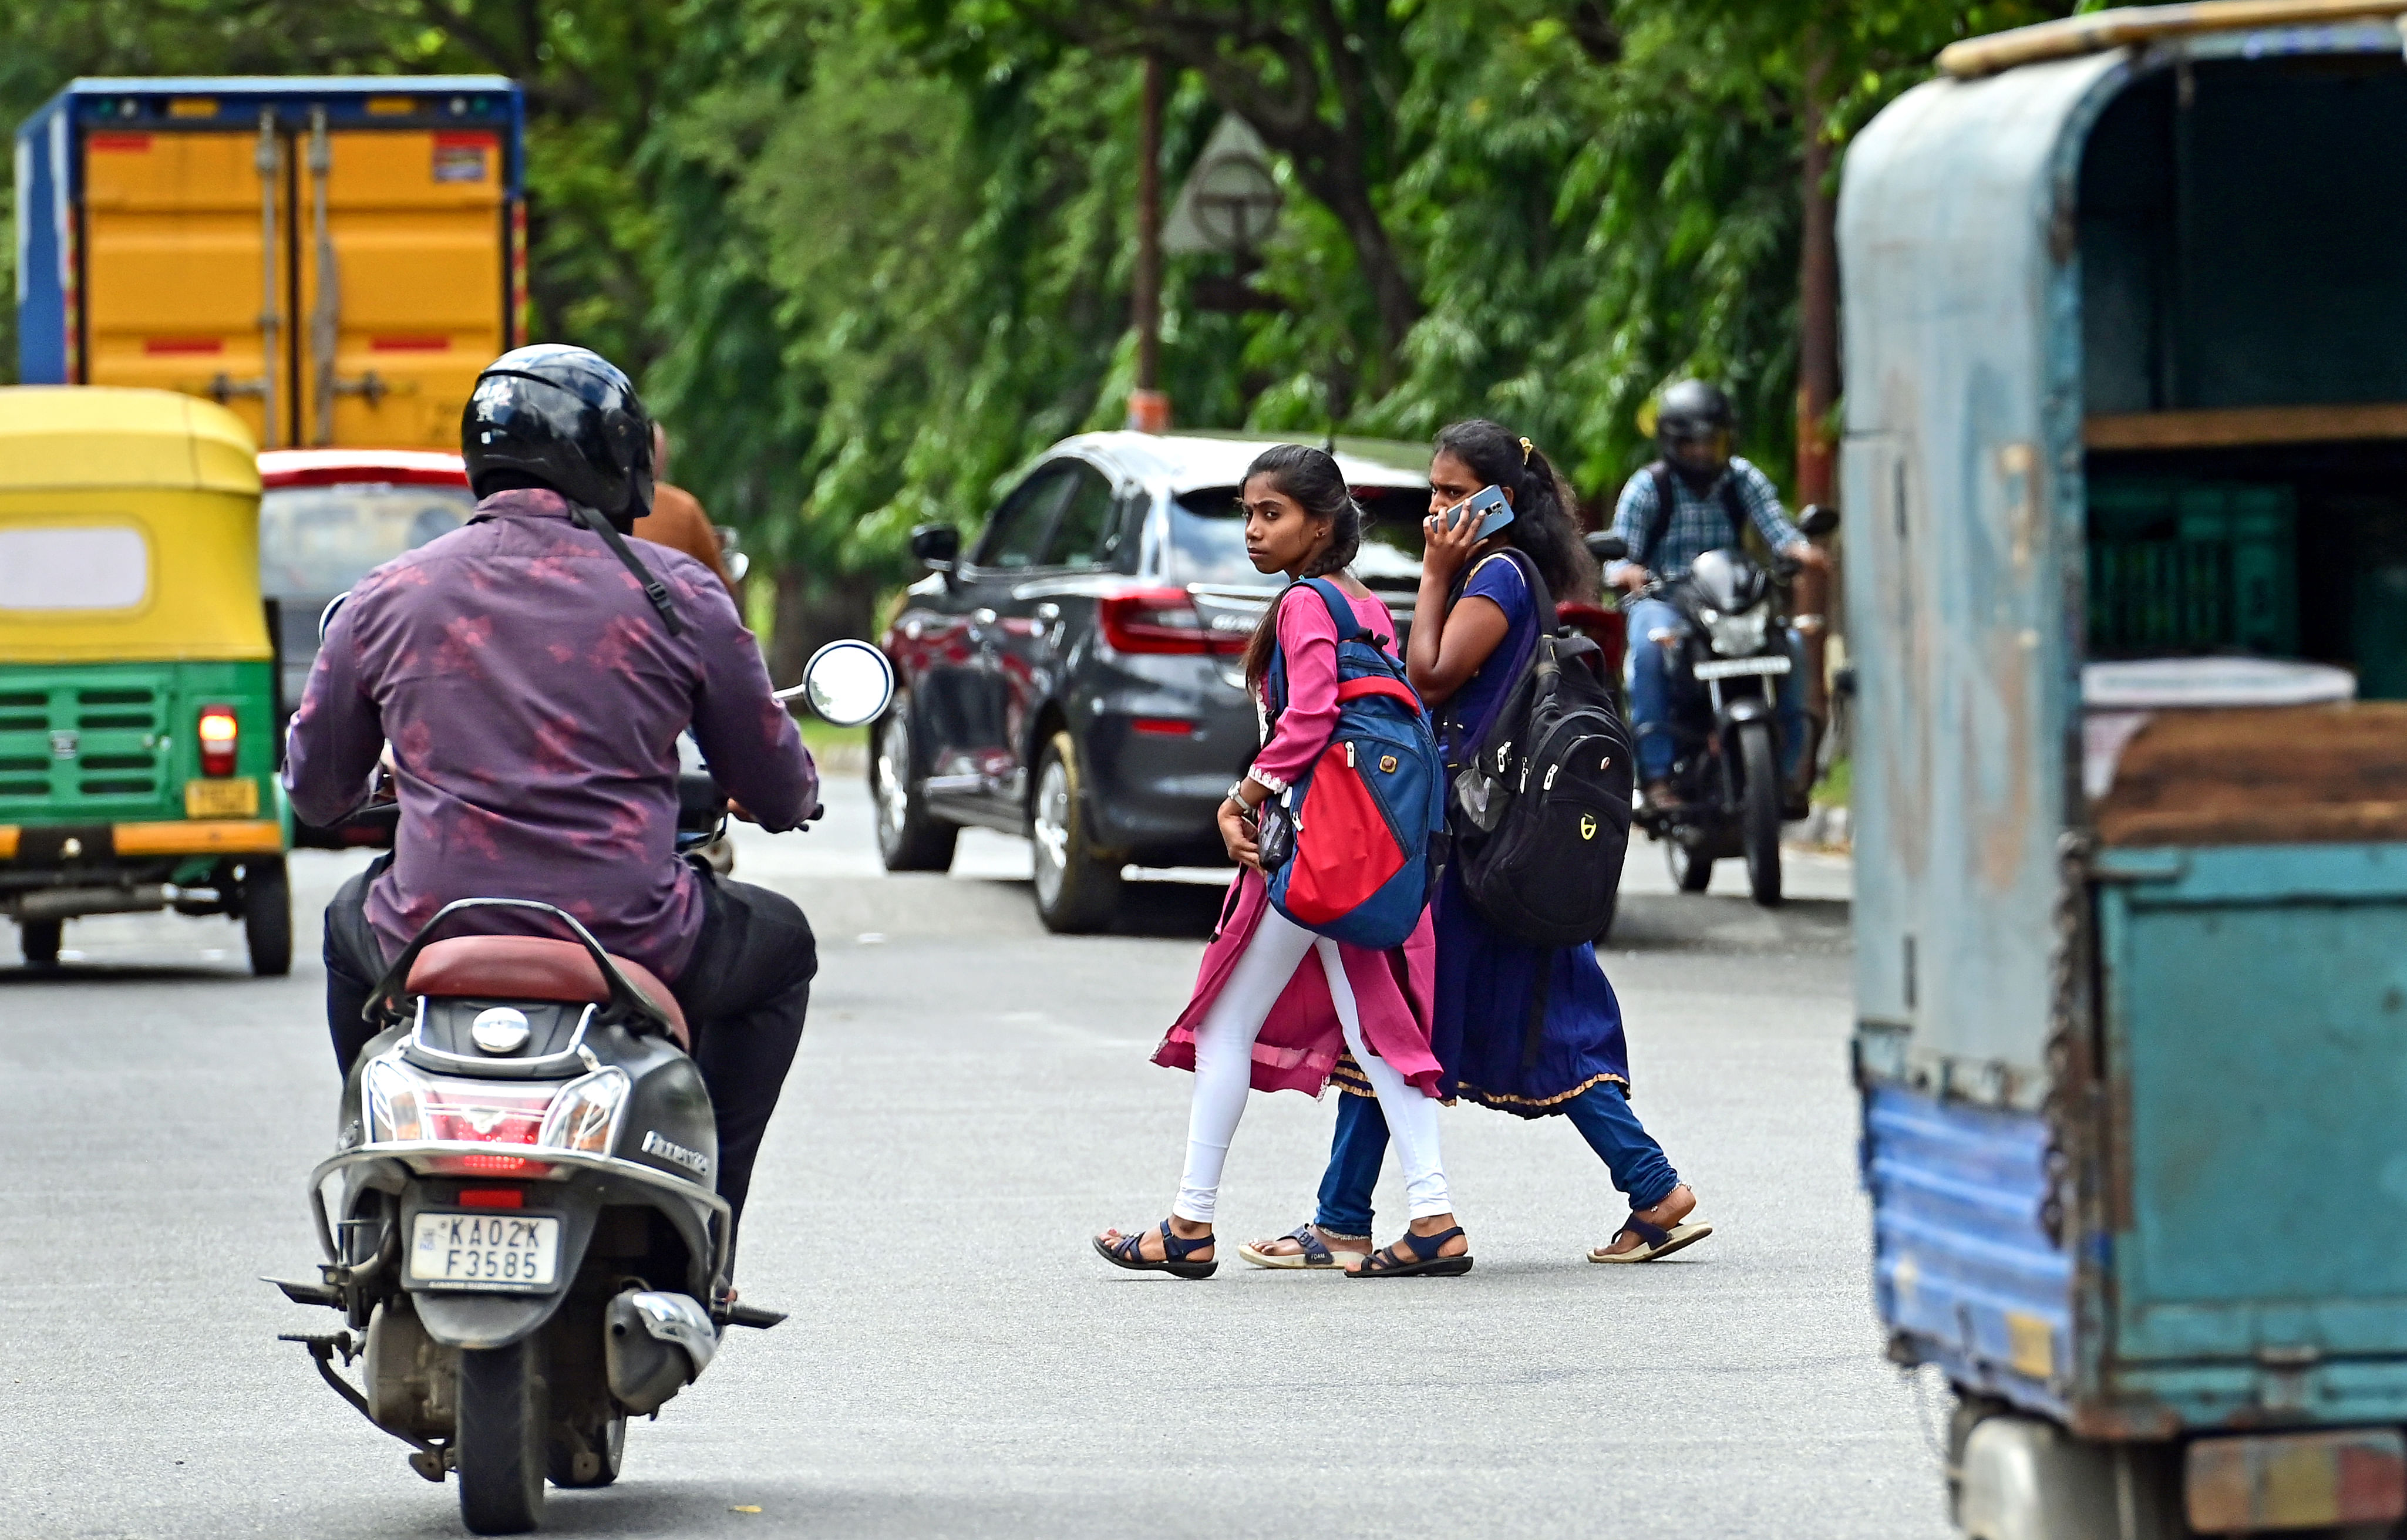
column 1487, row 505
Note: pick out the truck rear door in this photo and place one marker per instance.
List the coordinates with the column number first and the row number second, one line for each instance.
column 182, row 239
column 407, row 223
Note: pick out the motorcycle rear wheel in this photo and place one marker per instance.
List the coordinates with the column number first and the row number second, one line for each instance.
column 500, row 1445
column 1692, row 869
column 1759, row 814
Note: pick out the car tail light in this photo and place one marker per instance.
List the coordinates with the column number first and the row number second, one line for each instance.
column 219, row 736
column 1165, row 727
column 1163, row 619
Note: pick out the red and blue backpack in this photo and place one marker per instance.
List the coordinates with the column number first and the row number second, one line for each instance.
column 1353, row 847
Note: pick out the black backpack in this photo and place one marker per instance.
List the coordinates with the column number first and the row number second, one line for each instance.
column 1540, row 807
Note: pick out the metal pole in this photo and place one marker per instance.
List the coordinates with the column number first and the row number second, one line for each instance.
column 325, row 315
column 1817, row 369
column 1148, row 409
column 270, row 163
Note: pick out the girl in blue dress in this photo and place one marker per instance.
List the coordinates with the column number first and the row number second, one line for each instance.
column 1466, row 653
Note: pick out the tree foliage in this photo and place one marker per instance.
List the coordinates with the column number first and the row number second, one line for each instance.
column 867, row 259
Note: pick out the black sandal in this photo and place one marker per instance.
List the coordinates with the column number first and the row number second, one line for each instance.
column 1389, row 1261
column 1175, row 1251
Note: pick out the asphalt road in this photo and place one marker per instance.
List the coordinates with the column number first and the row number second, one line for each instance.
column 972, row 1099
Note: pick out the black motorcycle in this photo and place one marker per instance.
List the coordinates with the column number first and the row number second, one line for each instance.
column 521, row 1226
column 1727, row 663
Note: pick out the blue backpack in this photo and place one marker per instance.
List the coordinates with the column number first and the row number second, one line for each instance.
column 1353, row 847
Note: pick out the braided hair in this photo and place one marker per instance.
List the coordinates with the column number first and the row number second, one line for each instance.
column 1310, row 476
column 1543, row 526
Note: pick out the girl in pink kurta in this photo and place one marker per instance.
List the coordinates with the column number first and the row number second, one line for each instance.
column 1275, row 1004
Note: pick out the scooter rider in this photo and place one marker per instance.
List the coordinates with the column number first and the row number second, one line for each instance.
column 532, row 683
column 1711, row 496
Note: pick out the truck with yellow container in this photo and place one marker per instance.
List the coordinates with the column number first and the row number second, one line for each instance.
column 331, row 260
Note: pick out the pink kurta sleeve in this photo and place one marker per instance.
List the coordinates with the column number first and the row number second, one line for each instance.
column 1308, row 641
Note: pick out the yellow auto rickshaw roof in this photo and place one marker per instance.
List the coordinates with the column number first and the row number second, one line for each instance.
column 101, row 436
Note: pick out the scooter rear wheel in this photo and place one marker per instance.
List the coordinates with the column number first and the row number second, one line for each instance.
column 500, row 1445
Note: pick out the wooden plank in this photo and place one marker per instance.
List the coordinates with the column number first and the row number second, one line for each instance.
column 1975, row 57
column 2269, row 776
column 2228, row 426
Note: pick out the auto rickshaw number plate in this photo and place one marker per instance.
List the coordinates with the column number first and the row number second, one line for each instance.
column 221, row 798
column 485, row 1250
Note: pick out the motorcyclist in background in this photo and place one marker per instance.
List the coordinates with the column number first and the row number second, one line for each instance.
column 531, row 671
column 1697, row 497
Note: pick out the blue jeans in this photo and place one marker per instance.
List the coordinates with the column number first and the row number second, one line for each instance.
column 1649, row 672
column 1600, row 1113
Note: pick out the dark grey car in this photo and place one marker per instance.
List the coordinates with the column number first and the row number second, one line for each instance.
column 1074, row 676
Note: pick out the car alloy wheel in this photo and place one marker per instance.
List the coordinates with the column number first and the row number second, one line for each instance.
column 909, row 837
column 1076, row 888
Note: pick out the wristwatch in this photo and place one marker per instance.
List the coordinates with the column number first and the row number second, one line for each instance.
column 1238, row 795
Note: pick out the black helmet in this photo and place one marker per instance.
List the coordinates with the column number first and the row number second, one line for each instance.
column 1692, row 409
column 1694, row 425
column 567, row 418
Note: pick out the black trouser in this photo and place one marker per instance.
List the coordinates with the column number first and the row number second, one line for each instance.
column 744, row 992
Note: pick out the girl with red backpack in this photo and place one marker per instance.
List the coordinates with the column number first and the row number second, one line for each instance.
column 1530, row 1030
column 1275, row 1005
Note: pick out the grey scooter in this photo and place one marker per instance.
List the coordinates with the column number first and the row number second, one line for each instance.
column 521, row 1226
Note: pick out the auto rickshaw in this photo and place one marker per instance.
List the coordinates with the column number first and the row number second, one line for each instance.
column 137, row 680
column 2125, row 466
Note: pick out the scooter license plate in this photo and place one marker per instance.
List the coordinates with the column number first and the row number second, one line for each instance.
column 484, row 1250
column 1731, row 668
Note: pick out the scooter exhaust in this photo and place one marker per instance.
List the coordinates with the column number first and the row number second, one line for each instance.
column 655, row 1344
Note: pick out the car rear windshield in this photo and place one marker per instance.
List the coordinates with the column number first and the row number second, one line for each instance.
column 1208, row 538
column 315, row 542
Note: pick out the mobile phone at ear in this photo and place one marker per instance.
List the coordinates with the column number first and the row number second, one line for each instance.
column 1487, row 505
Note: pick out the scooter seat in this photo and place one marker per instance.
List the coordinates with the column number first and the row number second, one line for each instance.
column 534, row 967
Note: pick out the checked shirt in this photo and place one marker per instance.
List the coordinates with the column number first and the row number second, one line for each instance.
column 1700, row 522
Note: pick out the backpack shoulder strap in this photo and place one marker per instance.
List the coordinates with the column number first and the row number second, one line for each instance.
column 1735, row 506
column 1349, row 626
column 654, row 589
column 1666, row 503
column 1341, row 610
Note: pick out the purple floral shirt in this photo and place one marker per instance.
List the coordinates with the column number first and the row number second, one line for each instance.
column 533, row 699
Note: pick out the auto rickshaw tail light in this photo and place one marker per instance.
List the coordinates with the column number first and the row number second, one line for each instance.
column 219, row 737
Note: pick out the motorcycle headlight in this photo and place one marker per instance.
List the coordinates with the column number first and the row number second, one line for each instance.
column 1739, row 635
column 585, row 1115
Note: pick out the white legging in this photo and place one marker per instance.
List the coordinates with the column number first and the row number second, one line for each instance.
column 1224, row 1070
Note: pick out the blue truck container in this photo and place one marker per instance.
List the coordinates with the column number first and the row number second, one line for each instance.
column 2132, row 1081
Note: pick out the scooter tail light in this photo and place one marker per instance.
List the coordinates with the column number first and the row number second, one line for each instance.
column 219, row 736
column 585, row 1115
column 1162, row 621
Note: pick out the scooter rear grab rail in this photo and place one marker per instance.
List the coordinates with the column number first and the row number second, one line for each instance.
column 405, row 1150
column 624, row 997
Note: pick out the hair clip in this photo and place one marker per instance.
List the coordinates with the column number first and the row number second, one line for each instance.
column 1526, row 450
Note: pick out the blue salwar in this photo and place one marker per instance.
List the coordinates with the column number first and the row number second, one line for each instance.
column 1578, row 1065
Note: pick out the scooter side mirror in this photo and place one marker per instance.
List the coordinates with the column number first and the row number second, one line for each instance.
column 1607, row 547
column 937, row 546
column 848, row 683
column 1818, row 520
